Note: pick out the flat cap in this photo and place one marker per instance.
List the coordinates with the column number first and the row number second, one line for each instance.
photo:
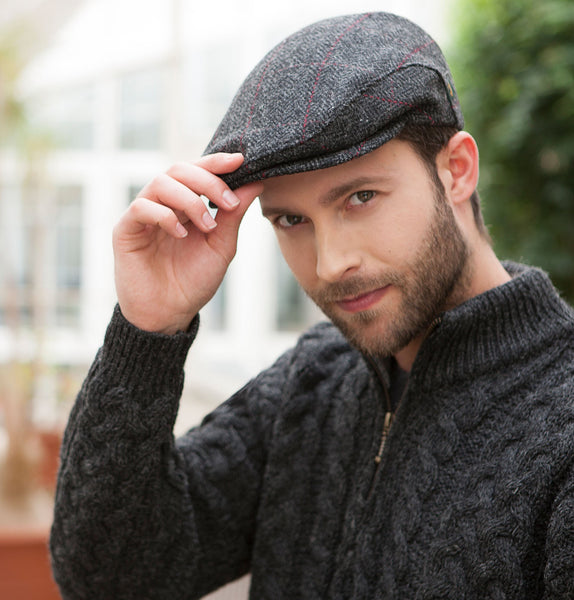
column 333, row 91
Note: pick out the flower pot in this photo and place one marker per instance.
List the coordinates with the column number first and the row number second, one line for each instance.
column 25, row 572
column 26, row 508
column 50, row 441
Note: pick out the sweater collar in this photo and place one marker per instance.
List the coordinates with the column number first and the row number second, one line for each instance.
column 500, row 326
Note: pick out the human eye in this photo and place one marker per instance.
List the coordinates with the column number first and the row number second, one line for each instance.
column 361, row 197
column 287, row 221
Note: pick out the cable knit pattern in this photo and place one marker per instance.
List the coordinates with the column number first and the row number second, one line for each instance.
column 474, row 497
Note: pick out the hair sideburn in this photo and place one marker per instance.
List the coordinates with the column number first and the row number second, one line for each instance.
column 428, row 141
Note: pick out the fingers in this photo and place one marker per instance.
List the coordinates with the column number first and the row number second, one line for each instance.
column 168, row 191
column 183, row 185
column 220, row 162
column 143, row 213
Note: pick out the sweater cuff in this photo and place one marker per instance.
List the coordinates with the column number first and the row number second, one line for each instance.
column 137, row 358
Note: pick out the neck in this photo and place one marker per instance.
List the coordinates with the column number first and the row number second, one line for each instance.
column 487, row 272
column 405, row 357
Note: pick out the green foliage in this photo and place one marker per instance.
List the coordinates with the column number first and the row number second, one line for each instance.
column 11, row 65
column 513, row 62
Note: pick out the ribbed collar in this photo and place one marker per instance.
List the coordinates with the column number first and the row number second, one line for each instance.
column 499, row 327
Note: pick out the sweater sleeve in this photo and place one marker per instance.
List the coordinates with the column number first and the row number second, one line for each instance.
column 137, row 514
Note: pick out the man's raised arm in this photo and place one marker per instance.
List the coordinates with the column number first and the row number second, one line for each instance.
column 127, row 508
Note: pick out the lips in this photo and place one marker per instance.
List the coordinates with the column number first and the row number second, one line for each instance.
column 362, row 301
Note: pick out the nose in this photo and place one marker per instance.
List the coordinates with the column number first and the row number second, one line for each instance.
column 337, row 255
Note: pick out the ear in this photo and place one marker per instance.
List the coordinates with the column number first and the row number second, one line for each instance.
column 457, row 165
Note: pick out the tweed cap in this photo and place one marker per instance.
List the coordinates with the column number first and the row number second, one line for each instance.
column 333, row 91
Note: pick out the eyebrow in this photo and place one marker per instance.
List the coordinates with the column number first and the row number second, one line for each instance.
column 349, row 186
column 331, row 196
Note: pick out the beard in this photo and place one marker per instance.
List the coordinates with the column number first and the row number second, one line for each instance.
column 435, row 280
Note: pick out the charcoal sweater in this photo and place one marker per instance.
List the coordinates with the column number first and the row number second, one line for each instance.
column 473, row 497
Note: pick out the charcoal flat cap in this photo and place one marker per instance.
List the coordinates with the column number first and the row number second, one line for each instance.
column 333, row 91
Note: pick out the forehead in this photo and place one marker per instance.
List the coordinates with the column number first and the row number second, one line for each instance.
column 390, row 163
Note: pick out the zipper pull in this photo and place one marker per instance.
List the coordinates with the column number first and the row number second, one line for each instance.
column 384, row 435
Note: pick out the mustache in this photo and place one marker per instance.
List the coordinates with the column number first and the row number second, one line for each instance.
column 353, row 287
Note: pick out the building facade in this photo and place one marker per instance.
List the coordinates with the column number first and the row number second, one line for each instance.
column 126, row 89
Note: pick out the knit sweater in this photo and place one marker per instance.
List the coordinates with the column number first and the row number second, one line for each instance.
column 473, row 497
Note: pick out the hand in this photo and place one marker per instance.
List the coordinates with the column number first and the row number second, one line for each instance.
column 170, row 254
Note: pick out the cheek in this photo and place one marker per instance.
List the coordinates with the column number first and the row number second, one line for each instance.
column 397, row 240
column 300, row 256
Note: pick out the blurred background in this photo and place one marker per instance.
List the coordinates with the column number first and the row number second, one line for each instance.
column 97, row 96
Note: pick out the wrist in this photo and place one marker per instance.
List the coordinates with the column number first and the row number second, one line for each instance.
column 158, row 323
column 135, row 357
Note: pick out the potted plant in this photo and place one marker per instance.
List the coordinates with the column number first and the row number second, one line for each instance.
column 26, row 480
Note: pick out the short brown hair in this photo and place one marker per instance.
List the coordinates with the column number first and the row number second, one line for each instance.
column 427, row 143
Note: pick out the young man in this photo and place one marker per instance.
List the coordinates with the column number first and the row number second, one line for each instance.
column 420, row 447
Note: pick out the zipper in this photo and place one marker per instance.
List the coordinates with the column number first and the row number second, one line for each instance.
column 389, row 414
column 386, row 424
column 386, row 428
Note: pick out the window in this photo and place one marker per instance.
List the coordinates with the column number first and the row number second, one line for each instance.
column 132, row 192
column 68, row 117
column 68, row 254
column 41, row 265
column 14, row 263
column 220, row 81
column 141, row 103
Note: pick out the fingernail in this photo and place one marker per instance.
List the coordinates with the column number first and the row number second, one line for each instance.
column 209, row 221
column 181, row 230
column 230, row 199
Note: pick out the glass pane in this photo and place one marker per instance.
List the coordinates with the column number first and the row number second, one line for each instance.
column 68, row 117
column 141, row 110
column 68, row 253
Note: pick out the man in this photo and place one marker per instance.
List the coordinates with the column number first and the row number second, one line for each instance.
column 420, row 447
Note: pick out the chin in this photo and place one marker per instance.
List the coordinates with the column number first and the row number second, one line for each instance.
column 366, row 335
